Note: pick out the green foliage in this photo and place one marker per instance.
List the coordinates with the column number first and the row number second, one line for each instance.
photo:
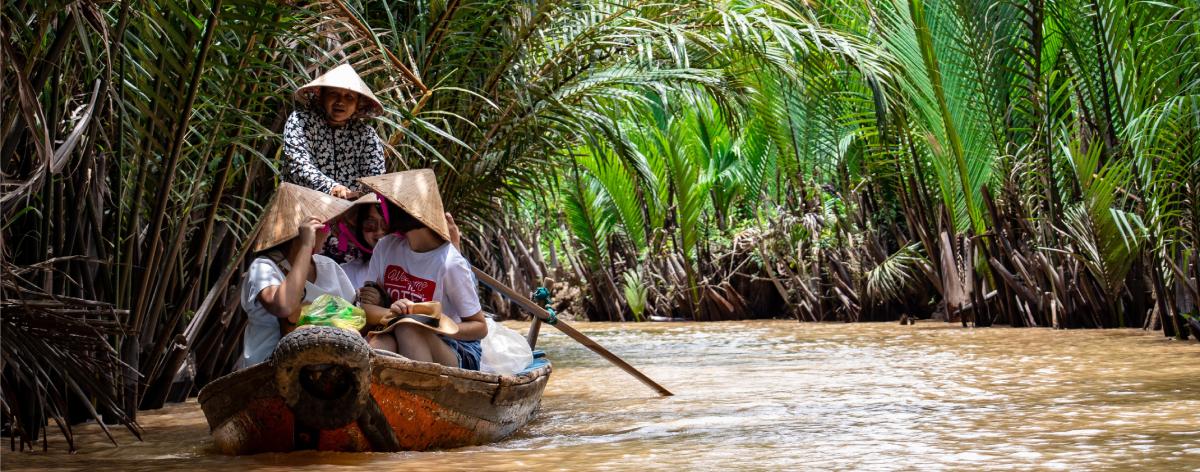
column 590, row 221
column 1107, row 238
column 621, row 192
column 140, row 127
column 935, row 58
column 635, row 292
column 893, row 100
column 661, row 142
column 895, row 276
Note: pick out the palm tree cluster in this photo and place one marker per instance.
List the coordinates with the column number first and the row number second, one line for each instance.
column 1022, row 162
column 1027, row 163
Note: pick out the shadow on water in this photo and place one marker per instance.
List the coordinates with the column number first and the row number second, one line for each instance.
column 777, row 395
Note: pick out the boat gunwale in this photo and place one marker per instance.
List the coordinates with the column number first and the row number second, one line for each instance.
column 379, row 361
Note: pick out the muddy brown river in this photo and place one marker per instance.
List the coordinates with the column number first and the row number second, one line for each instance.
column 784, row 396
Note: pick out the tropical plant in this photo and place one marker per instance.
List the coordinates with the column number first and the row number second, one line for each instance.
column 635, row 293
column 1031, row 163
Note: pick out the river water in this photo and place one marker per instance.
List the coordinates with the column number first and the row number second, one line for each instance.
column 778, row 395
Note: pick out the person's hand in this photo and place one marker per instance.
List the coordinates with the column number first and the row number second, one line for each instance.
column 369, row 296
column 455, row 235
column 295, row 316
column 402, row 306
column 308, row 232
column 341, row 191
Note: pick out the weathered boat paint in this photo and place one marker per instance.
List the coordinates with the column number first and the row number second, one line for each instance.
column 428, row 406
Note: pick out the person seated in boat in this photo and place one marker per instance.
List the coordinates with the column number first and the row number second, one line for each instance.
column 362, row 229
column 423, row 266
column 287, row 272
column 357, row 235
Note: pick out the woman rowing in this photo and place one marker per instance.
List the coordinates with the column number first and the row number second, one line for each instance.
column 327, row 142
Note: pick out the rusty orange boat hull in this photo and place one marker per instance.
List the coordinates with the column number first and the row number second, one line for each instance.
column 426, row 406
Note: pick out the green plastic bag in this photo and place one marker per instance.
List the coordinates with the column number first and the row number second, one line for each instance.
column 332, row 310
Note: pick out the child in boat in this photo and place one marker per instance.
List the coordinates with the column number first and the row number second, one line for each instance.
column 420, row 267
column 287, row 273
column 362, row 230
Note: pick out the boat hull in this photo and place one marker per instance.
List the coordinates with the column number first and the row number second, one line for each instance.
column 426, row 406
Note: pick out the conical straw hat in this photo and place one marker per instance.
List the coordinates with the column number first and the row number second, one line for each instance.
column 343, row 77
column 368, row 199
column 416, row 192
column 290, row 206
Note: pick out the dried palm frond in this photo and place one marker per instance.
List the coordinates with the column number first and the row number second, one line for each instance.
column 56, row 348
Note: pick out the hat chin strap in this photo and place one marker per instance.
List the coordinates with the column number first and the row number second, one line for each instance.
column 383, row 209
column 345, row 237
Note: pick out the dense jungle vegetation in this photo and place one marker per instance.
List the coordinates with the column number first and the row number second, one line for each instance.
column 1022, row 162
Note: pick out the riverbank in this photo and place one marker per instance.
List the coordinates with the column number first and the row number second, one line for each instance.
column 780, row 395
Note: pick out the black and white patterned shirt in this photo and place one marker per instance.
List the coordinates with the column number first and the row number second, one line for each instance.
column 319, row 156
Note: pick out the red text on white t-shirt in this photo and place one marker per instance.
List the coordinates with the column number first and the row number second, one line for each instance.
column 401, row 284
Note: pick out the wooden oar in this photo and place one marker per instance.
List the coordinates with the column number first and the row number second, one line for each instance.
column 587, row 342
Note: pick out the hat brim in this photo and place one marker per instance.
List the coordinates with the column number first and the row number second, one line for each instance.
column 355, row 206
column 416, row 192
column 288, row 207
column 368, row 199
column 346, row 78
column 308, row 95
column 445, row 326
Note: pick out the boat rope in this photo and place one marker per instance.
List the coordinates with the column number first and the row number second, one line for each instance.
column 542, row 295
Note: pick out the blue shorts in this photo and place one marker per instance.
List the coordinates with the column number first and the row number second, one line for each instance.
column 468, row 352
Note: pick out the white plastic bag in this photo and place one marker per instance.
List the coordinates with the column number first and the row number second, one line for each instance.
column 504, row 350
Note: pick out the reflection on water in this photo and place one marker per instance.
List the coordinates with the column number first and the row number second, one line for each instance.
column 777, row 395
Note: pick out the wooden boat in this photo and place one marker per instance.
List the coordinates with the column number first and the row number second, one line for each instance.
column 325, row 389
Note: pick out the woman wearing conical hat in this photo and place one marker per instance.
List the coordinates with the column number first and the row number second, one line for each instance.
column 287, row 272
column 421, row 266
column 327, row 142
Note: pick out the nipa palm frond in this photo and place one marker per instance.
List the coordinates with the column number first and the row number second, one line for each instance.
column 896, row 275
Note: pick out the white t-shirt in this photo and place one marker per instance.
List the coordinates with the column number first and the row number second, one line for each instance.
column 441, row 275
column 356, row 270
column 262, row 330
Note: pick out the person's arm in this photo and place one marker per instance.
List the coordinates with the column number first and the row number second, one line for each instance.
column 373, row 162
column 284, row 300
column 375, row 313
column 298, row 159
column 262, row 274
column 463, row 299
column 472, row 328
column 455, row 234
